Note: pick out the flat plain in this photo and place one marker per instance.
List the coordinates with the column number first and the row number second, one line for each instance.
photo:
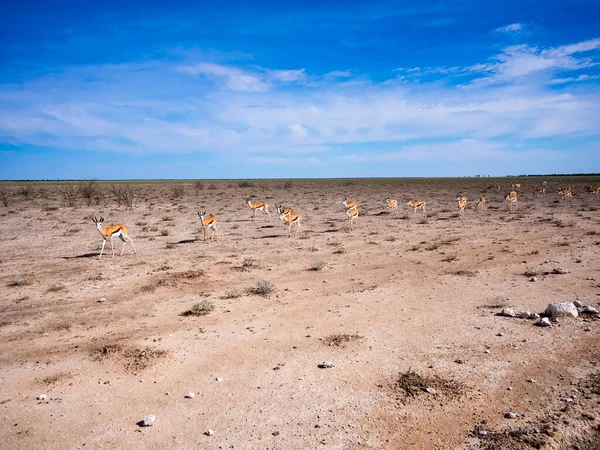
column 383, row 337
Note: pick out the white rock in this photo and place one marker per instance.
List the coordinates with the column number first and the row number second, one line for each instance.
column 326, row 365
column 430, row 390
column 589, row 310
column 545, row 322
column 563, row 309
column 148, row 421
column 578, row 303
column 209, row 432
column 42, row 397
column 535, row 316
column 508, row 312
column 510, row 415
column 219, row 379
column 526, row 315
column 559, row 271
column 189, row 395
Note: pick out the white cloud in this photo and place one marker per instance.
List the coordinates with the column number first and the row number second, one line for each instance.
column 235, row 79
column 250, row 113
column 510, row 28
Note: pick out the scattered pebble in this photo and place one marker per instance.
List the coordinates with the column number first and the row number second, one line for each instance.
column 533, row 279
column 482, row 433
column 589, row 310
column 148, row 421
column 209, row 432
column 544, row 322
column 579, row 303
column 559, row 271
column 219, row 379
column 531, row 380
column 41, row 397
column 326, row 365
column 430, row 390
column 526, row 315
column 510, row 415
column 102, row 300
column 189, row 395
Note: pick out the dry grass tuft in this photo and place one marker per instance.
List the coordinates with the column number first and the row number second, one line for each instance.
column 341, row 340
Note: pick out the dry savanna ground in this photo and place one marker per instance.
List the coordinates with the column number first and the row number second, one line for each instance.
column 383, row 337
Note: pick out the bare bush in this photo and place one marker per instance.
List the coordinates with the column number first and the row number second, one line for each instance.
column 4, row 196
column 27, row 191
column 198, row 186
column 177, row 190
column 87, row 191
column 200, row 309
column 263, row 287
column 124, row 194
column 69, row 195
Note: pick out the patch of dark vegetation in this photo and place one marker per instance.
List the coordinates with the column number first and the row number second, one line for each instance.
column 317, row 266
column 189, row 274
column 410, row 385
column 341, row 340
column 56, row 288
column 203, row 308
column 496, row 303
column 19, row 282
column 56, row 378
column 513, row 439
column 464, row 273
column 132, row 359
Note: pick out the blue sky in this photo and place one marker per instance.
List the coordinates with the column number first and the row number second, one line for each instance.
column 127, row 90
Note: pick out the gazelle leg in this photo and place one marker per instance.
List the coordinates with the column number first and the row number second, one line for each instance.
column 103, row 244
column 112, row 246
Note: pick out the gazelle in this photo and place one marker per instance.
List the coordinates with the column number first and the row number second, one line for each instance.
column 391, row 204
column 418, row 204
column 540, row 190
column 512, row 200
column 481, row 203
column 565, row 193
column 118, row 230
column 494, row 187
column 349, row 205
column 283, row 212
column 352, row 214
column 209, row 223
column 291, row 219
column 516, row 186
column 462, row 204
column 597, row 191
column 258, row 206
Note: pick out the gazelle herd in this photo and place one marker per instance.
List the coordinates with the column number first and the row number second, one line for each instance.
column 289, row 217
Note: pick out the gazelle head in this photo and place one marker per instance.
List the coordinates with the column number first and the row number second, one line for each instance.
column 202, row 215
column 409, row 203
column 98, row 221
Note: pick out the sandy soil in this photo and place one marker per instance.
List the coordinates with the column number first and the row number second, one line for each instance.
column 397, row 305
